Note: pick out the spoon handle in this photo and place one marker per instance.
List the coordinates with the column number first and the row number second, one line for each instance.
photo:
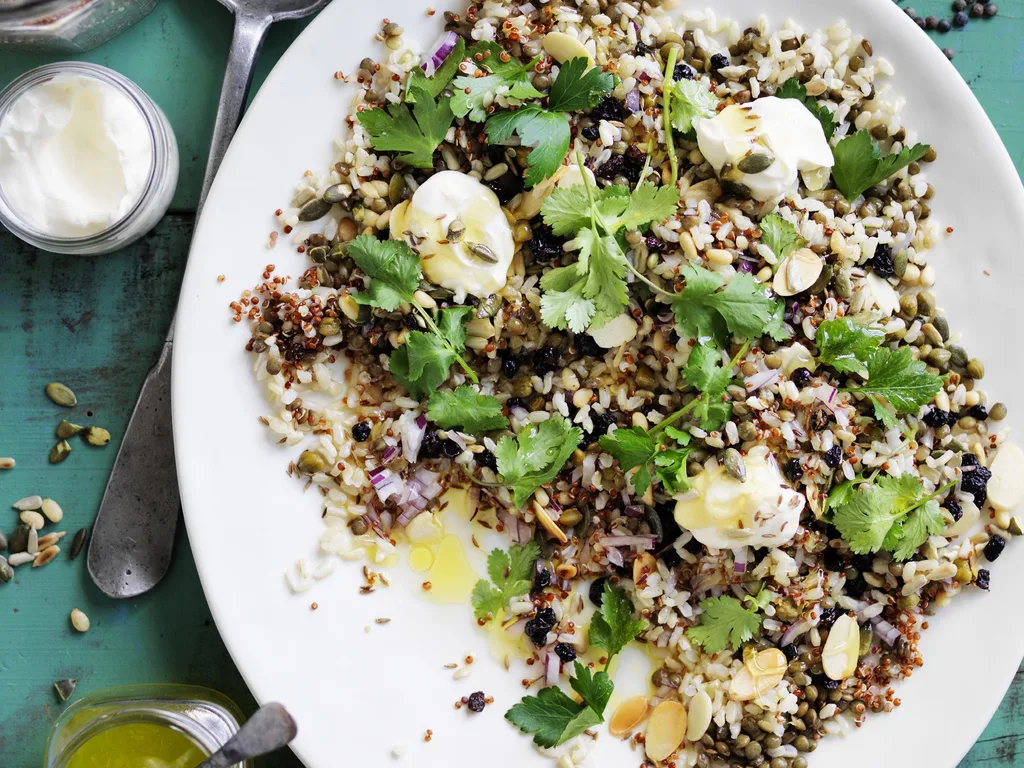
column 269, row 729
column 245, row 46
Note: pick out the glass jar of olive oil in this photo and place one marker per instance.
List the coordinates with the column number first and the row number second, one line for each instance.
column 165, row 726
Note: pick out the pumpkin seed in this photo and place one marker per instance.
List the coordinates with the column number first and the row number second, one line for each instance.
column 734, row 465
column 315, row 209
column 61, row 394
column 628, row 716
column 336, row 193
column 823, row 280
column 841, row 284
column 329, row 326
column 396, row 188
column 6, row 572
column 66, row 429
column 455, row 231
column 755, row 163
column 318, row 255
column 310, row 462
column 59, row 452
column 78, row 542
column 899, row 263
column 96, row 436
column 29, row 502
column 19, row 540
column 65, row 688
column 52, row 510
column 483, row 253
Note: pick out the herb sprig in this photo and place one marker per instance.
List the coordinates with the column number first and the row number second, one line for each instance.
column 535, row 456
column 728, row 621
column 794, row 89
column 551, row 716
column 511, row 575
column 421, row 364
column 637, row 447
column 860, row 165
column 467, row 409
column 415, row 132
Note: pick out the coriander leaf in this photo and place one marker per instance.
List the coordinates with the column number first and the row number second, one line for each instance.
column 780, row 236
column 900, row 379
column 465, row 408
column 705, row 372
column 648, row 204
column 879, row 516
column 450, row 326
column 683, row 438
column 691, row 101
column 567, row 209
column 421, row 364
column 595, row 690
column 579, row 86
column 433, row 85
column 743, row 305
column 633, row 447
column 927, row 520
column 888, row 418
column 671, row 469
column 776, row 327
column 535, row 456
column 725, row 621
column 613, row 625
column 859, row 166
column 845, row 345
column 697, row 320
column 794, row 89
column 469, row 92
column 547, row 132
column 552, row 717
column 416, row 133
column 511, row 575
column 602, row 270
column 394, row 269
column 565, row 308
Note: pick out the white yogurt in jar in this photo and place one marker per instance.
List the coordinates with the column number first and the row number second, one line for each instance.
column 75, row 156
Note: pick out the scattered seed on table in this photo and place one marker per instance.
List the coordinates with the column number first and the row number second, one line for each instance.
column 96, row 436
column 3, row 541
column 949, row 53
column 6, row 462
column 19, row 540
column 20, row 559
column 59, row 452
column 991, row 9
column 46, row 556
column 66, row 429
column 32, row 519
column 977, row 11
column 78, row 542
column 52, row 510
column 33, row 542
column 61, row 394
column 79, row 620
column 51, row 538
column 65, row 688
column 6, row 572
column 29, row 502
column 960, row 19
column 943, row 26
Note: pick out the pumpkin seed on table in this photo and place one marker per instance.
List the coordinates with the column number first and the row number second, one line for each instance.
column 18, row 542
column 97, row 436
column 59, row 452
column 65, row 688
column 315, row 209
column 6, row 572
column 61, row 394
column 66, row 429
column 755, row 163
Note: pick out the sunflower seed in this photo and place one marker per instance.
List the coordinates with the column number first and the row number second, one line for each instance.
column 33, row 542
column 20, row 559
column 61, row 394
column 29, row 502
column 52, row 511
column 96, row 436
column 51, row 538
column 32, row 519
column 65, row 688
column 67, row 429
column 78, row 542
column 46, row 556
column 59, row 452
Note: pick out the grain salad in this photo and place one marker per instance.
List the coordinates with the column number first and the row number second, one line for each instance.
column 648, row 292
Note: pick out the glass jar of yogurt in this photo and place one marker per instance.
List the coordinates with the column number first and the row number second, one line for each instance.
column 88, row 162
column 66, row 25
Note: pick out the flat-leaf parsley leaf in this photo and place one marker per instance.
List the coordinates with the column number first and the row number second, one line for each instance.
column 511, row 575
column 415, row 133
column 726, row 621
column 860, row 166
column 535, row 456
column 469, row 93
column 467, row 409
column 553, row 718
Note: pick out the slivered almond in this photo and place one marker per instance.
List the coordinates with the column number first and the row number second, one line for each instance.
column 699, row 716
column 644, row 565
column 760, row 674
column 665, row 730
column 549, row 525
column 842, row 648
column 628, row 716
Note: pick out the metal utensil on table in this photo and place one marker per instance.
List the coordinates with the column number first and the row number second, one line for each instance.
column 132, row 538
column 268, row 730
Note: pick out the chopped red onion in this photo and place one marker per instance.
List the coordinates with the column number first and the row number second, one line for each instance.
column 642, row 541
column 439, row 52
column 634, row 510
column 614, row 556
column 885, row 630
column 413, row 432
column 761, row 379
column 387, row 484
column 389, row 454
column 407, row 515
column 643, row 77
column 794, row 631
column 632, row 100
column 552, row 668
column 739, row 565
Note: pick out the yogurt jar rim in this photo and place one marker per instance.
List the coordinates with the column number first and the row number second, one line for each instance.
column 139, row 99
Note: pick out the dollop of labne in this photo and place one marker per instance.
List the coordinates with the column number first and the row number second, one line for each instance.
column 725, row 513
column 457, row 226
column 742, row 138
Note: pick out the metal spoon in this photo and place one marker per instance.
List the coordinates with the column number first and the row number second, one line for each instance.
column 133, row 535
column 269, row 729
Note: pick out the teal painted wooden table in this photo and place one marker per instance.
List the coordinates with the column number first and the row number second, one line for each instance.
column 97, row 323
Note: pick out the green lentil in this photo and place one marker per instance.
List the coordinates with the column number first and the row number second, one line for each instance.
column 997, row 412
column 975, row 368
